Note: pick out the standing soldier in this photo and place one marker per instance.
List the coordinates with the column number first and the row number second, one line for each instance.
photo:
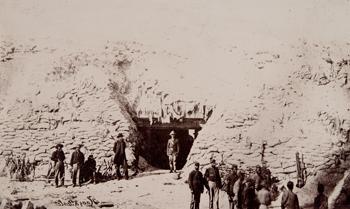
column 238, row 191
column 249, row 196
column 321, row 200
column 58, row 158
column 77, row 161
column 196, row 183
column 230, row 180
column 289, row 198
column 212, row 176
column 263, row 196
column 172, row 151
column 257, row 177
column 120, row 157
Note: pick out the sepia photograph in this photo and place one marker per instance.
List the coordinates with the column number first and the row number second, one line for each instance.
column 187, row 104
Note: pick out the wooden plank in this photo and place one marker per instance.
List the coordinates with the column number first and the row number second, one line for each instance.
column 185, row 124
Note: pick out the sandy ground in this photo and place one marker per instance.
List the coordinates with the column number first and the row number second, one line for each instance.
column 154, row 190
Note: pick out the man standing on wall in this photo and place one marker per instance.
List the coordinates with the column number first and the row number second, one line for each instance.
column 213, row 178
column 172, row 151
column 77, row 161
column 120, row 157
column 58, row 158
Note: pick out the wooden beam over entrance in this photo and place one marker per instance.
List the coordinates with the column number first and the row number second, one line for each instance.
column 186, row 123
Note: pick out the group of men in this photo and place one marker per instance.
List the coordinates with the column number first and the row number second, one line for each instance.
column 86, row 170
column 81, row 169
column 244, row 192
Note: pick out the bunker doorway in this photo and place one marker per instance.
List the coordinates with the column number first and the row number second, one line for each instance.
column 154, row 146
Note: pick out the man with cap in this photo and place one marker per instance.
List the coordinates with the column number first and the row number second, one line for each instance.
column 76, row 162
column 196, row 183
column 172, row 151
column 213, row 178
column 120, row 156
column 230, row 180
column 58, row 157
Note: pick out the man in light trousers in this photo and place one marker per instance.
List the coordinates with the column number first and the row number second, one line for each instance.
column 213, row 178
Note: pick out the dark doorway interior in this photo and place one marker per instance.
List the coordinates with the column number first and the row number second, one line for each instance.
column 154, row 146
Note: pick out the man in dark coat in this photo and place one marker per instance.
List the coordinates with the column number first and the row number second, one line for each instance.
column 230, row 180
column 321, row 200
column 77, row 161
column 120, row 157
column 213, row 178
column 289, row 198
column 58, row 158
column 90, row 169
column 196, row 183
column 249, row 195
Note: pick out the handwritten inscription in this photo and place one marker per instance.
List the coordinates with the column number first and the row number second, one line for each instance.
column 89, row 202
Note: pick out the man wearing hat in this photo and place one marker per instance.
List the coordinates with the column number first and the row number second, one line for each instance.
column 172, row 151
column 196, row 183
column 230, row 181
column 58, row 157
column 213, row 178
column 120, row 156
column 77, row 161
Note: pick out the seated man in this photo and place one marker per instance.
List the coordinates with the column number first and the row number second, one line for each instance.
column 90, row 169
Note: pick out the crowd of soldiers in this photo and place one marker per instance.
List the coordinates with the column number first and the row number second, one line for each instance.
column 85, row 171
column 243, row 191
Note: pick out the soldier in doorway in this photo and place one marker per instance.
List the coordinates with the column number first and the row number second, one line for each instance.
column 172, row 151
column 58, row 158
column 120, row 156
column 77, row 162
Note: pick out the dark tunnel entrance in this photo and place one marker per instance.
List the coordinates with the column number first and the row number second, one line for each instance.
column 155, row 139
column 154, row 146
